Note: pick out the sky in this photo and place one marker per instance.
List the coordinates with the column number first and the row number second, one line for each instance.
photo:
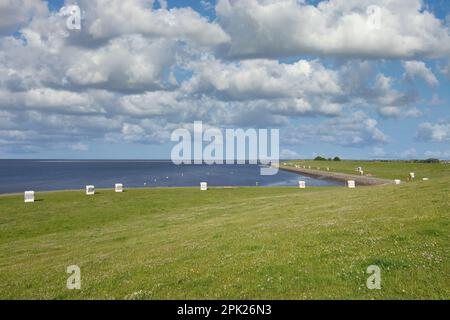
column 359, row 79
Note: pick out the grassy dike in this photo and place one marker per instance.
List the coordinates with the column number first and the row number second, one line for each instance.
column 255, row 243
column 381, row 169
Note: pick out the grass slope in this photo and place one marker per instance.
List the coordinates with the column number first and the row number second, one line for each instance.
column 386, row 170
column 231, row 243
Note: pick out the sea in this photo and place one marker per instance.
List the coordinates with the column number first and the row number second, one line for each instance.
column 49, row 175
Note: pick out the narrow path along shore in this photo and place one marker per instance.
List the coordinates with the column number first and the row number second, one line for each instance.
column 342, row 177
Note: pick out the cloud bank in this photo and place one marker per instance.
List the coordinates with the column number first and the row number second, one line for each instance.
column 139, row 69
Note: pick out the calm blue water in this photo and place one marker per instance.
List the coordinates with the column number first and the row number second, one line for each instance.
column 47, row 175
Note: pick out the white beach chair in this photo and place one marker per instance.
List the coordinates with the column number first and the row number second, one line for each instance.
column 90, row 190
column 29, row 196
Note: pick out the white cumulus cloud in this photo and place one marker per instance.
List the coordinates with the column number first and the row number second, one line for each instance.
column 418, row 69
column 436, row 132
column 362, row 28
column 16, row 13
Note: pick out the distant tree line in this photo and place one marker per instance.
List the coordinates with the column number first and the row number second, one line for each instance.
column 319, row 158
column 431, row 160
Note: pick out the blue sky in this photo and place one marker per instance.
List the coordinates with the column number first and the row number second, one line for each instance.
column 332, row 83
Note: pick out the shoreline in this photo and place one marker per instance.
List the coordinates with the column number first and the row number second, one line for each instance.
column 156, row 188
column 336, row 176
column 312, row 173
column 100, row 189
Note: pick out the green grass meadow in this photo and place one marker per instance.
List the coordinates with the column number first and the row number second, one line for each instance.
column 381, row 169
column 238, row 243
